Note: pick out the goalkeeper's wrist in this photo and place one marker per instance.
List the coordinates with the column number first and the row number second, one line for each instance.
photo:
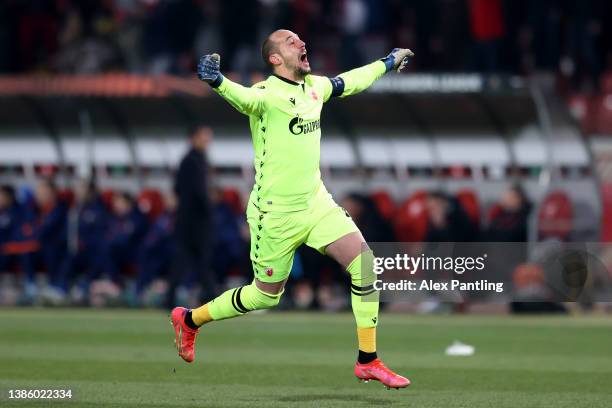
column 389, row 62
column 217, row 81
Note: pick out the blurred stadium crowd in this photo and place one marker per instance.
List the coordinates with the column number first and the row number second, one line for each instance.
column 166, row 36
column 100, row 247
column 82, row 236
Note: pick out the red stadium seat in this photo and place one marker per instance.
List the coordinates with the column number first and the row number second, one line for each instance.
column 601, row 114
column 555, row 217
column 412, row 219
column 107, row 198
column 151, row 203
column 233, row 199
column 469, row 202
column 384, row 204
column 493, row 212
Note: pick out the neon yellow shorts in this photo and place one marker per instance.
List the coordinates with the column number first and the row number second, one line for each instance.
column 276, row 236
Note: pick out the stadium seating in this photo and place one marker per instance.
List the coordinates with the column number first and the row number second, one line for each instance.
column 231, row 197
column 384, row 203
column 555, row 217
column 150, row 202
column 411, row 220
column 107, row 197
column 469, row 201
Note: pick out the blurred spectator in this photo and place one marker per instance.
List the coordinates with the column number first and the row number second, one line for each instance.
column 8, row 34
column 509, row 223
column 157, row 250
column 545, row 32
column 352, row 16
column 9, row 225
column 169, row 34
column 448, row 222
column 48, row 227
column 240, row 46
column 487, row 27
column 366, row 215
column 38, row 29
column 583, row 32
column 229, row 246
column 194, row 217
column 88, row 222
column 162, row 36
column 126, row 228
column 87, row 40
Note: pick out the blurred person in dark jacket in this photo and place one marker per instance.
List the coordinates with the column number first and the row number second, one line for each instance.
column 88, row 221
column 157, row 250
column 194, row 218
column 10, row 221
column 126, row 228
column 229, row 247
column 368, row 218
column 47, row 225
column 509, row 224
column 448, row 222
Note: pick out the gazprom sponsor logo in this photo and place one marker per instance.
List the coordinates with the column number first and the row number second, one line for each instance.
column 297, row 126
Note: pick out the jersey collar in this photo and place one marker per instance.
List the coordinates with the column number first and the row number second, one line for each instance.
column 290, row 82
column 287, row 80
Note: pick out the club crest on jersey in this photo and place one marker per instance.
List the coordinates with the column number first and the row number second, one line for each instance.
column 269, row 271
column 297, row 126
column 314, row 95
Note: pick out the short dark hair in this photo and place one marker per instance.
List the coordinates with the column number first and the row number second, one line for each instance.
column 268, row 47
column 126, row 195
column 9, row 191
column 438, row 195
column 193, row 129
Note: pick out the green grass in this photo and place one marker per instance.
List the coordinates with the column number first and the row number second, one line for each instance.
column 117, row 358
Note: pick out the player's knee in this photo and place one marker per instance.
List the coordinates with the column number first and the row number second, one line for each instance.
column 266, row 300
column 254, row 298
column 362, row 267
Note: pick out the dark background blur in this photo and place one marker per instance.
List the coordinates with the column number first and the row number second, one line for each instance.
column 167, row 36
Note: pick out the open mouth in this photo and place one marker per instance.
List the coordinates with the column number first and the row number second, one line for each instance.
column 303, row 57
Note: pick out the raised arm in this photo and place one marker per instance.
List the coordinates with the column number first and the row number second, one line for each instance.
column 246, row 100
column 359, row 79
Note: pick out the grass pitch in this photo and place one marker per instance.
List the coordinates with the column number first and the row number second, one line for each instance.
column 117, row 358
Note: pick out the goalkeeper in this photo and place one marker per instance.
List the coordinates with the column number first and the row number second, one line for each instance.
column 289, row 205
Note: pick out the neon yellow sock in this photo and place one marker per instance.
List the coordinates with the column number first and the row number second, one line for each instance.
column 367, row 339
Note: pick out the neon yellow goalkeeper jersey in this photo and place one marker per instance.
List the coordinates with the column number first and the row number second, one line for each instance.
column 285, row 121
